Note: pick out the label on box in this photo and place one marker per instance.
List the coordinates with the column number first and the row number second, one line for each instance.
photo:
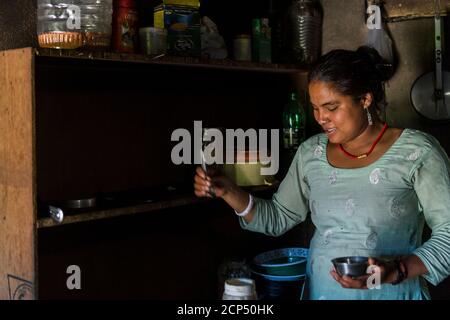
column 183, row 29
column 186, row 43
column 189, row 3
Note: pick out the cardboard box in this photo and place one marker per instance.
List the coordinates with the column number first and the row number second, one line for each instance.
column 245, row 172
column 183, row 29
column 189, row 3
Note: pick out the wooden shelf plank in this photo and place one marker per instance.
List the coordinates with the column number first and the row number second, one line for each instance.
column 226, row 64
column 400, row 10
column 18, row 268
column 97, row 214
column 122, row 211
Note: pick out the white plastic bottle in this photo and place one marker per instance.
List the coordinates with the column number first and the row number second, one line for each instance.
column 239, row 289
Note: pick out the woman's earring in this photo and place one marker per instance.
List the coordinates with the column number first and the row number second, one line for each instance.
column 369, row 117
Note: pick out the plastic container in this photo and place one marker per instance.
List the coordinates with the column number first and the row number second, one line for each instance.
column 125, row 26
column 281, row 288
column 304, row 26
column 153, row 41
column 72, row 24
column 239, row 289
column 232, row 268
column 242, row 45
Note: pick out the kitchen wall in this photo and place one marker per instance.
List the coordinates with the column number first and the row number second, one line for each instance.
column 17, row 24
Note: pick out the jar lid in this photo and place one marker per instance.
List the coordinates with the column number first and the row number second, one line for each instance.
column 239, row 287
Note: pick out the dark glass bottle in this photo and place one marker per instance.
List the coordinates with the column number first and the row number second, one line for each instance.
column 276, row 25
column 294, row 120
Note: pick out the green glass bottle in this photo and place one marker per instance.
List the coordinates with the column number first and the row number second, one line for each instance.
column 294, row 119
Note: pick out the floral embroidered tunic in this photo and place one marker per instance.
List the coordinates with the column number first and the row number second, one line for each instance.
column 378, row 210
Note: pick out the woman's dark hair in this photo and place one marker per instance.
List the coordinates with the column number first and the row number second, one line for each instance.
column 353, row 73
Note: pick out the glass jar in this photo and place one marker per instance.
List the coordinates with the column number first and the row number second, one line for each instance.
column 96, row 23
column 242, row 45
column 304, row 28
column 72, row 24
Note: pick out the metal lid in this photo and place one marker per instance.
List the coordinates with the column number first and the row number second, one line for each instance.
column 80, row 203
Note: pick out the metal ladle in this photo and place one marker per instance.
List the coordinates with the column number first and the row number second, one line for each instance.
column 430, row 94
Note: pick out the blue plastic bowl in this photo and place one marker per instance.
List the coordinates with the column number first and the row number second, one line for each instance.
column 288, row 262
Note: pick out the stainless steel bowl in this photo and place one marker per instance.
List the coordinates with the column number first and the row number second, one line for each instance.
column 80, row 203
column 355, row 266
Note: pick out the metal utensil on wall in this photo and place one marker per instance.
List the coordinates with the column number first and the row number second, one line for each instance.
column 430, row 93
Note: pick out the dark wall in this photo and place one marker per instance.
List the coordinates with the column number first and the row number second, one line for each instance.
column 103, row 127
column 167, row 254
column 17, row 24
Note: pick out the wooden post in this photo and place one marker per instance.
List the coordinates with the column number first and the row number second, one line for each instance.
column 17, row 172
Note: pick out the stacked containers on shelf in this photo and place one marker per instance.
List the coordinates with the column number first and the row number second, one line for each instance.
column 181, row 18
column 72, row 24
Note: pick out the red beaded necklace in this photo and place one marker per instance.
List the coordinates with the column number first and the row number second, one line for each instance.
column 364, row 155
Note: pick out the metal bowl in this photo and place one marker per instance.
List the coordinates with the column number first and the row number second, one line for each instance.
column 355, row 266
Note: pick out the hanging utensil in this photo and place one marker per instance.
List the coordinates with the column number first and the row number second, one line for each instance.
column 430, row 94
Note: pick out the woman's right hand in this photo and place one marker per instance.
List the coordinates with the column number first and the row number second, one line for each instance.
column 206, row 186
column 221, row 186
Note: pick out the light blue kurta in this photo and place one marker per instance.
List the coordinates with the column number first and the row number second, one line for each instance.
column 378, row 210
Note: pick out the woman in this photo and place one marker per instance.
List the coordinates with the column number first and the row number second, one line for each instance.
column 369, row 189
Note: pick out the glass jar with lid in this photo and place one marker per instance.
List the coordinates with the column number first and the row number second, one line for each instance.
column 72, row 24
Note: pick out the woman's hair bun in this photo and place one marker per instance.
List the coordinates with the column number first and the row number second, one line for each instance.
column 383, row 68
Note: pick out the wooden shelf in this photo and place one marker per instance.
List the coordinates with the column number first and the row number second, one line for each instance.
column 226, row 64
column 176, row 201
column 97, row 214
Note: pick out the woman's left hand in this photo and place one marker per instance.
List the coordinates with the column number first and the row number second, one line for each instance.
column 386, row 274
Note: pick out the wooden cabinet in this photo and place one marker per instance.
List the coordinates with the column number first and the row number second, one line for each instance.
column 75, row 124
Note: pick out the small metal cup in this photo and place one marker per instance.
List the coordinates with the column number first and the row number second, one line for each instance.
column 354, row 266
